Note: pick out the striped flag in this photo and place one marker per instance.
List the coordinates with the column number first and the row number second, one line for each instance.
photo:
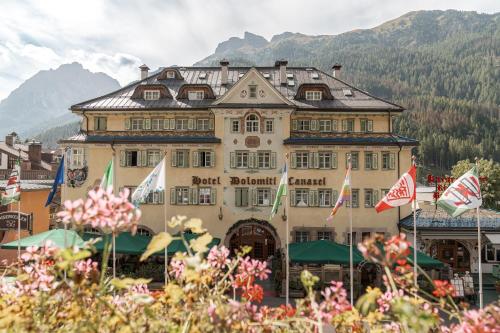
column 154, row 182
column 107, row 178
column 462, row 195
column 13, row 189
column 282, row 191
column 345, row 193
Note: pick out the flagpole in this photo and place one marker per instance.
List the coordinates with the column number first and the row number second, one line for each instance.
column 62, row 187
column 165, row 214
column 287, row 244
column 415, row 271
column 19, row 210
column 114, row 191
column 480, row 269
column 351, row 260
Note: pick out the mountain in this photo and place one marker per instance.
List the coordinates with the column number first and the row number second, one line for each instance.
column 443, row 66
column 43, row 100
column 51, row 136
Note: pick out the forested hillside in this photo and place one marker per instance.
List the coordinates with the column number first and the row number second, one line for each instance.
column 443, row 66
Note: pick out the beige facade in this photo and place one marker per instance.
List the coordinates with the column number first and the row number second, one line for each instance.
column 229, row 180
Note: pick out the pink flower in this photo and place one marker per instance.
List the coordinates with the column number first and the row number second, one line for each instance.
column 177, row 268
column 218, row 257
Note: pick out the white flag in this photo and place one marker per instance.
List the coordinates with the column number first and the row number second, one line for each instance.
column 154, row 182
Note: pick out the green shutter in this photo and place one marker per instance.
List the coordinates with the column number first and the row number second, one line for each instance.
column 310, row 160
column 166, row 124
column 190, row 124
column 273, row 160
column 186, row 159
column 292, row 199
column 370, row 125
column 294, row 125
column 334, row 161
column 314, row 125
column 127, row 123
column 293, row 163
column 392, row 161
column 232, row 158
column 211, row 124
column 251, row 160
column 213, row 196
column 196, row 157
column 147, row 123
column 244, row 197
column 316, row 160
column 174, row 158
column 238, row 197
column 334, row 125
column 344, row 125
column 172, row 196
column 254, row 197
column 123, row 157
column 375, row 161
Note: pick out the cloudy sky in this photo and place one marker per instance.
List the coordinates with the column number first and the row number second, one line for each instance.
column 116, row 36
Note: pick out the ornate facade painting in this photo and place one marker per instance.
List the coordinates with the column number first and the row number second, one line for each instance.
column 77, row 177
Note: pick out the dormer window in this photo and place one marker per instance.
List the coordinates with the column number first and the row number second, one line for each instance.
column 252, row 91
column 170, row 75
column 151, row 95
column 313, row 95
column 252, row 123
column 196, row 95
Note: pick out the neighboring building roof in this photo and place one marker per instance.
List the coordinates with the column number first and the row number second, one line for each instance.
column 385, row 139
column 122, row 98
column 14, row 150
column 83, row 138
column 437, row 219
column 31, row 185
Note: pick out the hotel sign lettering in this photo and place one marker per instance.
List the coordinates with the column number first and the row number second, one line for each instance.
column 271, row 181
column 307, row 181
column 253, row 181
column 8, row 221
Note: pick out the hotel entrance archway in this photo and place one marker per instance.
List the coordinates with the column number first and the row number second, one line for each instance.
column 453, row 253
column 259, row 235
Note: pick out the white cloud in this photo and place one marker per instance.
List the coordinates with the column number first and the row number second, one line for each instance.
column 116, row 36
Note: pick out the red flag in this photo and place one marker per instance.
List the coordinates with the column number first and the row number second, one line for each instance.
column 402, row 193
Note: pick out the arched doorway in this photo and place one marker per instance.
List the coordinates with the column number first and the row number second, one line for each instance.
column 453, row 253
column 259, row 235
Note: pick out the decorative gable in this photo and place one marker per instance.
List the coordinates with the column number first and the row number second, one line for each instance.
column 252, row 88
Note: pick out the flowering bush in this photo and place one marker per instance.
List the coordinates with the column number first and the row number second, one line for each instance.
column 207, row 290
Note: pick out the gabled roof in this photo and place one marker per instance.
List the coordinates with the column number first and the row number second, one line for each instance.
column 121, row 99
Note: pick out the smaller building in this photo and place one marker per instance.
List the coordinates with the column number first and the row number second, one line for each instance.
column 454, row 240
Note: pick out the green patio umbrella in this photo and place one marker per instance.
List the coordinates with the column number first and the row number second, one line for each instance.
column 322, row 252
column 424, row 260
column 56, row 236
column 177, row 245
column 125, row 242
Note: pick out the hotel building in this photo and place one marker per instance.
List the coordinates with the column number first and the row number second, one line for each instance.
column 226, row 131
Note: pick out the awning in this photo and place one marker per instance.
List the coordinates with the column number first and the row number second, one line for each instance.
column 58, row 237
column 125, row 242
column 423, row 260
column 494, row 238
column 322, row 252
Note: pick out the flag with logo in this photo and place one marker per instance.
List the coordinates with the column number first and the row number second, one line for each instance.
column 107, row 178
column 462, row 195
column 282, row 191
column 345, row 192
column 57, row 181
column 154, row 182
column 12, row 191
column 401, row 193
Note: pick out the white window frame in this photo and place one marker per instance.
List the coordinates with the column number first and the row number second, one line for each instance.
column 302, row 160
column 204, row 196
column 170, row 75
column 314, row 95
column 321, row 235
column 264, row 197
column 154, row 157
column 301, row 195
column 128, row 158
column 182, row 158
column 301, row 236
column 137, row 124
column 303, row 125
column 369, row 198
column 202, row 124
column 241, row 159
column 325, row 125
column 100, row 123
column 205, row 158
column 264, row 159
column 252, row 91
column 77, row 158
column 196, row 95
column 325, row 197
column 151, row 95
column 181, row 124
column 269, row 125
column 325, row 159
column 233, row 122
column 156, row 124
column 386, row 157
column 252, row 123
column 182, row 193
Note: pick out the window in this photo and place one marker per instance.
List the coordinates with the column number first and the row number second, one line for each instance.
column 370, row 198
column 241, row 197
column 263, row 197
column 100, row 123
column 153, row 157
column 196, row 95
column 151, row 95
column 354, row 160
column 365, row 235
column 348, row 238
column 388, row 161
column 325, row 160
column 301, row 198
column 182, row 195
column 156, row 124
column 303, row 125
column 269, row 125
column 355, row 198
column 181, row 124
column 371, row 160
column 205, row 159
column 264, row 159
column 137, row 124
column 77, row 158
column 204, row 196
column 242, row 159
column 132, row 158
column 348, row 125
column 301, row 236
column 170, row 75
column 325, row 125
column 235, row 125
column 252, row 91
column 202, row 124
column 155, row 198
column 366, row 125
column 180, row 159
column 252, row 123
column 302, row 160
column 313, row 95
column 143, row 231
column 325, row 197
column 324, row 235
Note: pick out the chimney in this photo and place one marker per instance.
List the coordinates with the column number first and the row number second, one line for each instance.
column 282, row 65
column 224, row 71
column 35, row 152
column 336, row 70
column 144, row 71
column 10, row 139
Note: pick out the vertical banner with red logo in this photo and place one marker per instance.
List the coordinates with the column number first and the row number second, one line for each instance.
column 402, row 193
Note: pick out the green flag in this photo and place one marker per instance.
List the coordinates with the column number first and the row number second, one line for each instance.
column 107, row 178
column 282, row 191
column 462, row 195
